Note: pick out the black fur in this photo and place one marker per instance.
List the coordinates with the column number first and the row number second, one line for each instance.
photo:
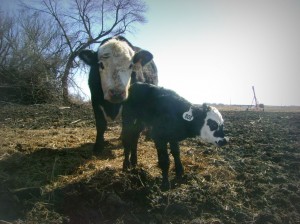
column 97, row 97
column 161, row 110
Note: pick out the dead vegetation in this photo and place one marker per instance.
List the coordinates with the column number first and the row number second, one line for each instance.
column 48, row 173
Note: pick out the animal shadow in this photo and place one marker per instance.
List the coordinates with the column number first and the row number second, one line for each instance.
column 23, row 176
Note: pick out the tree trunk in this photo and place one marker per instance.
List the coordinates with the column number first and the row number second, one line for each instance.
column 65, row 78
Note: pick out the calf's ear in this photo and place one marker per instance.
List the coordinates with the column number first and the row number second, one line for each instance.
column 206, row 107
column 89, row 57
column 143, row 57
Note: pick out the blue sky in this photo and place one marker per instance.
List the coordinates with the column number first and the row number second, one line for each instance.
column 215, row 50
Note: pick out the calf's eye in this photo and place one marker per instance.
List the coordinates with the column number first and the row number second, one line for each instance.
column 213, row 125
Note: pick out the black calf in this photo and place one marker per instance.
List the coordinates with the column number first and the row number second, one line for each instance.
column 165, row 113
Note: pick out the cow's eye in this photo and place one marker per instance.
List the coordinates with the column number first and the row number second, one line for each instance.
column 101, row 65
column 213, row 125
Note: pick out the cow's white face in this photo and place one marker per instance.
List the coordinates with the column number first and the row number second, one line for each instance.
column 212, row 130
column 116, row 62
column 115, row 68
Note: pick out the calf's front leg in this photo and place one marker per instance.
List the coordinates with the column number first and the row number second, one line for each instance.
column 163, row 162
column 130, row 136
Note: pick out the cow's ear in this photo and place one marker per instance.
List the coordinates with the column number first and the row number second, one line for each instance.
column 105, row 40
column 121, row 38
column 89, row 57
column 143, row 57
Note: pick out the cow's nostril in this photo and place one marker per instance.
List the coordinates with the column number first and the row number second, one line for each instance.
column 117, row 94
column 111, row 92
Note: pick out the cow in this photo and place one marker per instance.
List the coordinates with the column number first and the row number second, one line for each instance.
column 113, row 68
column 171, row 119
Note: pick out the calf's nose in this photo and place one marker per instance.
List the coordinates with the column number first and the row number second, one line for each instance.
column 222, row 142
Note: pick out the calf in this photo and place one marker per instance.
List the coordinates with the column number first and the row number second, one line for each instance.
column 170, row 119
column 115, row 66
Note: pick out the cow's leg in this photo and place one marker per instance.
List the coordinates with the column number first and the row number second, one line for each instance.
column 163, row 162
column 176, row 154
column 101, row 126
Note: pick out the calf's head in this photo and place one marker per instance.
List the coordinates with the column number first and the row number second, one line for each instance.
column 115, row 62
column 212, row 129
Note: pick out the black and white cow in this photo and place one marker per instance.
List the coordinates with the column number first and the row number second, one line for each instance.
column 171, row 119
column 115, row 66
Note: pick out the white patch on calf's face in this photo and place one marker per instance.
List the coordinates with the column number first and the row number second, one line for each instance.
column 213, row 123
column 115, row 57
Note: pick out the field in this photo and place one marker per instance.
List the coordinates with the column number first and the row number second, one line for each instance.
column 48, row 173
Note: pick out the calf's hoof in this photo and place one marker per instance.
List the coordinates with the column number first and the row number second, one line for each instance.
column 179, row 172
column 98, row 148
column 165, row 185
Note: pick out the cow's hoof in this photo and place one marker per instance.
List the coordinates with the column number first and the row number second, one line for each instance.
column 126, row 166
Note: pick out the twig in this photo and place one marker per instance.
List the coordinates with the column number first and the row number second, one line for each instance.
column 74, row 122
column 53, row 168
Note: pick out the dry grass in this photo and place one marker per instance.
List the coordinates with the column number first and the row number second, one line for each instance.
column 49, row 174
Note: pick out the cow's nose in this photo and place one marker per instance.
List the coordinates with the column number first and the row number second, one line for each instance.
column 117, row 95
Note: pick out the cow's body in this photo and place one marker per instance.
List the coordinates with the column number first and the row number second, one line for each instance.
column 171, row 119
column 115, row 66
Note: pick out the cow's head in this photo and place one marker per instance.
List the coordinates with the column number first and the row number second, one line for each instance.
column 116, row 61
column 212, row 129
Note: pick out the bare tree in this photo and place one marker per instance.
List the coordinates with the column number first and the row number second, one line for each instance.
column 6, row 35
column 6, row 30
column 85, row 22
column 31, row 54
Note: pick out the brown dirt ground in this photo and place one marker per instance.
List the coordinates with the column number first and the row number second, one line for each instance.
column 48, row 173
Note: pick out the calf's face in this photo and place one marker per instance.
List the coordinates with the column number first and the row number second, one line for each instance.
column 212, row 129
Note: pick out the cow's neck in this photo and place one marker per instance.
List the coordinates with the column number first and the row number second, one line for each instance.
column 111, row 111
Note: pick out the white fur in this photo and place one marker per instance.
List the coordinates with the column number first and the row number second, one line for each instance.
column 205, row 133
column 116, row 58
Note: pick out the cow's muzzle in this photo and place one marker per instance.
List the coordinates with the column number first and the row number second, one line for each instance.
column 117, row 96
